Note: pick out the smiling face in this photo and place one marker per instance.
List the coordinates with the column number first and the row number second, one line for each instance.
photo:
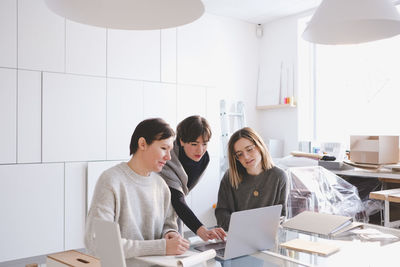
column 248, row 154
column 195, row 150
column 157, row 153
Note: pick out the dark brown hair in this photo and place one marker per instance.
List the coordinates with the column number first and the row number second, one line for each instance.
column 191, row 128
column 151, row 130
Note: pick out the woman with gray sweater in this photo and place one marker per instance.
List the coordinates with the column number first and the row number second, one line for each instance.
column 137, row 198
column 252, row 180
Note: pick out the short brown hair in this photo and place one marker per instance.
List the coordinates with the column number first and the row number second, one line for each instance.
column 192, row 127
column 151, row 130
column 236, row 170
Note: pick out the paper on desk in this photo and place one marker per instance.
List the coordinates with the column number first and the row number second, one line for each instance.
column 189, row 258
column 197, row 258
column 373, row 234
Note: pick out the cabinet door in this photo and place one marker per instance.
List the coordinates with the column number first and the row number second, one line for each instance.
column 160, row 99
column 32, row 221
column 74, row 118
column 124, row 112
column 29, row 116
column 198, row 56
column 75, row 205
column 85, row 49
column 133, row 55
column 168, row 55
column 8, row 33
column 41, row 37
column 191, row 101
column 8, row 116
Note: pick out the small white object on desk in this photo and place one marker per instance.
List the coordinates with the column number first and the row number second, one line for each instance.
column 373, row 234
column 189, row 258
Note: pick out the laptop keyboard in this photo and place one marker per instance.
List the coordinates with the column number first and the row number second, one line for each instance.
column 220, row 252
column 219, row 248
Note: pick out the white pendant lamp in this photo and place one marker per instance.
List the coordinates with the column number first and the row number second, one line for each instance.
column 352, row 21
column 129, row 14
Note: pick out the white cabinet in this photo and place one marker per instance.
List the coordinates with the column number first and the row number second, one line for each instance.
column 8, row 33
column 133, row 54
column 124, row 112
column 85, row 49
column 191, row 101
column 29, row 116
column 8, row 115
column 74, row 118
column 197, row 46
column 32, row 221
column 41, row 37
column 168, row 55
column 75, row 205
column 160, row 102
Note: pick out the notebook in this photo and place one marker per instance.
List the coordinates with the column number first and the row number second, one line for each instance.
column 319, row 223
column 249, row 231
column 321, row 248
column 108, row 244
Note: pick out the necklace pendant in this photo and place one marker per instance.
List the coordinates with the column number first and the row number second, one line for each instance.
column 255, row 193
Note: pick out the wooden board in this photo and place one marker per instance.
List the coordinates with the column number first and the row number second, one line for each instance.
column 320, row 248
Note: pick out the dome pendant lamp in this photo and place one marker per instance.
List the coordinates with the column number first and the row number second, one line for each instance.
column 129, row 14
column 352, row 21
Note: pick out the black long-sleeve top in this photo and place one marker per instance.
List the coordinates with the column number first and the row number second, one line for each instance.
column 194, row 170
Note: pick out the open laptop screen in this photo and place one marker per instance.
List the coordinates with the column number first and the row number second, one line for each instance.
column 249, row 231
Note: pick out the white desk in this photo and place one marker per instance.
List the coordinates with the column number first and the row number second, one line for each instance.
column 353, row 252
column 380, row 173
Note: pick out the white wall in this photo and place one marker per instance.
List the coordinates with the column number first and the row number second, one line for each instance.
column 71, row 94
column 278, row 51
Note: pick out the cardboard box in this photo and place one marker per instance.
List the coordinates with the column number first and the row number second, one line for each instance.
column 71, row 258
column 374, row 149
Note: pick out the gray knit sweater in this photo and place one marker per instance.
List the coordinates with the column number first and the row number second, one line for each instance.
column 140, row 204
column 174, row 174
column 270, row 187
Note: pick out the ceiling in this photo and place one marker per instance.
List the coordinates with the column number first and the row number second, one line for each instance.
column 258, row 11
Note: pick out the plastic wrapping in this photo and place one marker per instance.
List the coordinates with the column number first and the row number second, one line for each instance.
column 317, row 189
column 365, row 186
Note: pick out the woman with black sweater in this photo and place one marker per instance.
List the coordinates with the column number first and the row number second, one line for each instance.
column 189, row 159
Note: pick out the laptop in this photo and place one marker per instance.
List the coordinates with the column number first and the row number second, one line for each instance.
column 108, row 244
column 249, row 231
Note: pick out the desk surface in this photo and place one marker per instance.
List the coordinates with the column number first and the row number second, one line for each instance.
column 353, row 252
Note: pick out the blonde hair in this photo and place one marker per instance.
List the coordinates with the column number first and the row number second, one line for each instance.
column 236, row 170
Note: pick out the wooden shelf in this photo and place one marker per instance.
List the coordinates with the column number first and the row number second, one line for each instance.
column 276, row 106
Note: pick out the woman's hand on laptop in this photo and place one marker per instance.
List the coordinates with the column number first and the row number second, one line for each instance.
column 215, row 233
column 176, row 245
